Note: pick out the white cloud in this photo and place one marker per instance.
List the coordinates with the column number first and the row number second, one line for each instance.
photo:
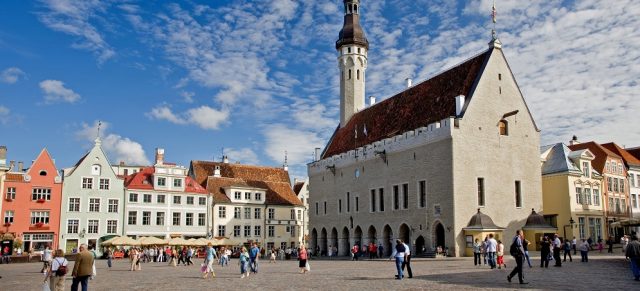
column 4, row 115
column 204, row 117
column 117, row 147
column 74, row 18
column 12, row 75
column 299, row 144
column 243, row 155
column 187, row 97
column 55, row 91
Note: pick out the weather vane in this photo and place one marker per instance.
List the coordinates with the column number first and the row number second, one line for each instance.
column 99, row 125
column 494, row 14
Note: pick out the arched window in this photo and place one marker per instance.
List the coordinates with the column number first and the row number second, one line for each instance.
column 503, row 127
column 358, row 74
column 355, row 9
column 349, row 75
column 43, row 173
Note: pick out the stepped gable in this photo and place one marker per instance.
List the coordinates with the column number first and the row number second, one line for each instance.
column 274, row 180
column 418, row 106
column 143, row 180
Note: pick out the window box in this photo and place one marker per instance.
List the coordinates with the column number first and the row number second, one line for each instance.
column 40, row 200
column 8, row 199
column 39, row 224
column 7, row 224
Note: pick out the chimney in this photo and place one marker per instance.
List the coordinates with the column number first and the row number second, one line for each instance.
column 159, row 156
column 574, row 140
column 20, row 166
column 225, row 159
column 12, row 164
column 372, row 100
column 3, row 155
column 122, row 163
column 409, row 82
column 316, row 156
column 216, row 172
column 459, row 104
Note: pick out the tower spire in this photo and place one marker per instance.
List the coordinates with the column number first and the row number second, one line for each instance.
column 285, row 166
column 97, row 140
column 495, row 42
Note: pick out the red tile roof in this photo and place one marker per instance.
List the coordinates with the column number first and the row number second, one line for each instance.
column 297, row 187
column 143, row 180
column 634, row 152
column 275, row 181
column 14, row 177
column 601, row 153
column 418, row 106
column 628, row 158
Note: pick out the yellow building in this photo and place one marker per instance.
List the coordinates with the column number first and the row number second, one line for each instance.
column 572, row 192
column 479, row 227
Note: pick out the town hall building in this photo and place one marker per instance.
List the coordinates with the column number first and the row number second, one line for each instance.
column 420, row 164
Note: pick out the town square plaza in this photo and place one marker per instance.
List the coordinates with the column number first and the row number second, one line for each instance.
column 602, row 272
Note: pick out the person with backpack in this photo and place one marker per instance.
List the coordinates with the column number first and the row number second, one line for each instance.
column 517, row 251
column 57, row 272
column 567, row 250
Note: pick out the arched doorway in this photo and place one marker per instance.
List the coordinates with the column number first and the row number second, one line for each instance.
column 357, row 236
column 439, row 235
column 323, row 242
column 314, row 240
column 372, row 235
column 333, row 240
column 387, row 236
column 419, row 245
column 343, row 243
column 405, row 234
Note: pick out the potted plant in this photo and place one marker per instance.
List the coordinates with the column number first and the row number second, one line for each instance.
column 39, row 224
column 41, row 200
column 7, row 224
column 8, row 199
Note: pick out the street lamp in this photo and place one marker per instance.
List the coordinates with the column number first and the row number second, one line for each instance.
column 564, row 228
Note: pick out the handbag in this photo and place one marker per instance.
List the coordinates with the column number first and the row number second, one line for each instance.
column 203, row 268
column 307, row 267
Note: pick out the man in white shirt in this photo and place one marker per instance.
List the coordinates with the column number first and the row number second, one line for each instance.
column 407, row 260
column 574, row 246
column 557, row 245
column 492, row 246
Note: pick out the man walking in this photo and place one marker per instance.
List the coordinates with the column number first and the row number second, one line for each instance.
column 517, row 251
column 492, row 246
column 633, row 254
column 253, row 258
column 82, row 269
column 557, row 245
column 407, row 260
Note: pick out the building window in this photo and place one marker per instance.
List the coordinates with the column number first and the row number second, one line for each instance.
column 8, row 216
column 146, row 198
column 405, row 196
column 202, row 201
column 578, row 195
column 610, row 184
column 221, row 230
column 373, row 200
column 623, row 205
column 381, row 194
column 587, row 196
column 222, row 212
column 133, row 197
column 317, row 212
column 113, row 206
column 104, row 184
column 177, row 199
column 592, row 227
column 201, row 219
column 339, row 205
column 11, row 193
column 73, row 225
column 237, row 195
column 40, row 217
column 598, row 228
column 616, row 187
column 94, row 204
column 503, row 127
column 247, row 213
column 146, row 217
column 348, row 202
column 622, row 185
column 133, row 218
column 41, row 194
column 422, row 194
column 160, row 198
column 95, row 170
column 247, row 230
column 272, row 212
column 596, row 197
column 585, row 169
column 257, row 230
column 299, row 214
column 271, row 231
column 292, row 214
column 258, row 196
column 189, row 219
column 293, row 230
column 176, row 219
column 177, row 183
column 518, row 195
column 396, row 197
column 74, row 204
column 112, row 226
column 325, row 208
column 236, row 230
column 190, row 200
column 634, row 201
column 162, row 182
column 236, row 213
column 607, row 167
column 581, row 226
column 247, row 195
column 159, row 218
column 257, row 213
column 87, row 183
column 357, row 203
column 93, row 226
column 481, row 197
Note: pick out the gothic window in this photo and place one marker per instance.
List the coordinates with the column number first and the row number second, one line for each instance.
column 349, row 75
column 503, row 127
column 358, row 74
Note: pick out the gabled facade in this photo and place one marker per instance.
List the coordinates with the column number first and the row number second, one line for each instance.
column 164, row 202
column 417, row 165
column 301, row 188
column 92, row 202
column 31, row 203
column 632, row 165
column 251, row 204
column 572, row 192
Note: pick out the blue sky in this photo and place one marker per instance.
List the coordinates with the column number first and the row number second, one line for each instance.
column 260, row 77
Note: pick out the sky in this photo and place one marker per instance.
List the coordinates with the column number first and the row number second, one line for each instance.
column 254, row 79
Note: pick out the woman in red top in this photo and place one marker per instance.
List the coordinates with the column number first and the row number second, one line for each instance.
column 302, row 257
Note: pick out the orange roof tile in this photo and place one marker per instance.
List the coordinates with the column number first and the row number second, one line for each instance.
column 601, row 153
column 628, row 158
column 14, row 177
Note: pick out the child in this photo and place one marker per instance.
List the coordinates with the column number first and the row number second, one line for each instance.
column 273, row 257
column 243, row 262
column 500, row 254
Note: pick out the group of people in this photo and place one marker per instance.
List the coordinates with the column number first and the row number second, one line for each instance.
column 402, row 255
column 83, row 269
column 491, row 252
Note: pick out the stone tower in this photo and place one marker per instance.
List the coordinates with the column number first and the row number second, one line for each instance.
column 352, row 46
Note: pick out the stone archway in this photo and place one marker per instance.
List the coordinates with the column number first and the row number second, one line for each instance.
column 357, row 236
column 387, row 237
column 438, row 235
column 343, row 243
column 372, row 235
column 404, row 234
column 323, row 242
column 333, row 240
column 314, row 240
column 420, row 244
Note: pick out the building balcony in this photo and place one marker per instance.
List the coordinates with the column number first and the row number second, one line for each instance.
column 617, row 213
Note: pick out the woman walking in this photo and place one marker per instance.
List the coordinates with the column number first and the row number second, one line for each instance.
column 584, row 251
column 399, row 253
column 302, row 257
column 109, row 255
column 133, row 259
column 211, row 254
column 244, row 262
column 57, row 273
column 500, row 254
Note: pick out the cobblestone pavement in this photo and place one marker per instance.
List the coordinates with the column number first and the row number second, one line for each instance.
column 602, row 272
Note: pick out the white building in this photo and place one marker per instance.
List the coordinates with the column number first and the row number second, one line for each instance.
column 301, row 188
column 164, row 202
